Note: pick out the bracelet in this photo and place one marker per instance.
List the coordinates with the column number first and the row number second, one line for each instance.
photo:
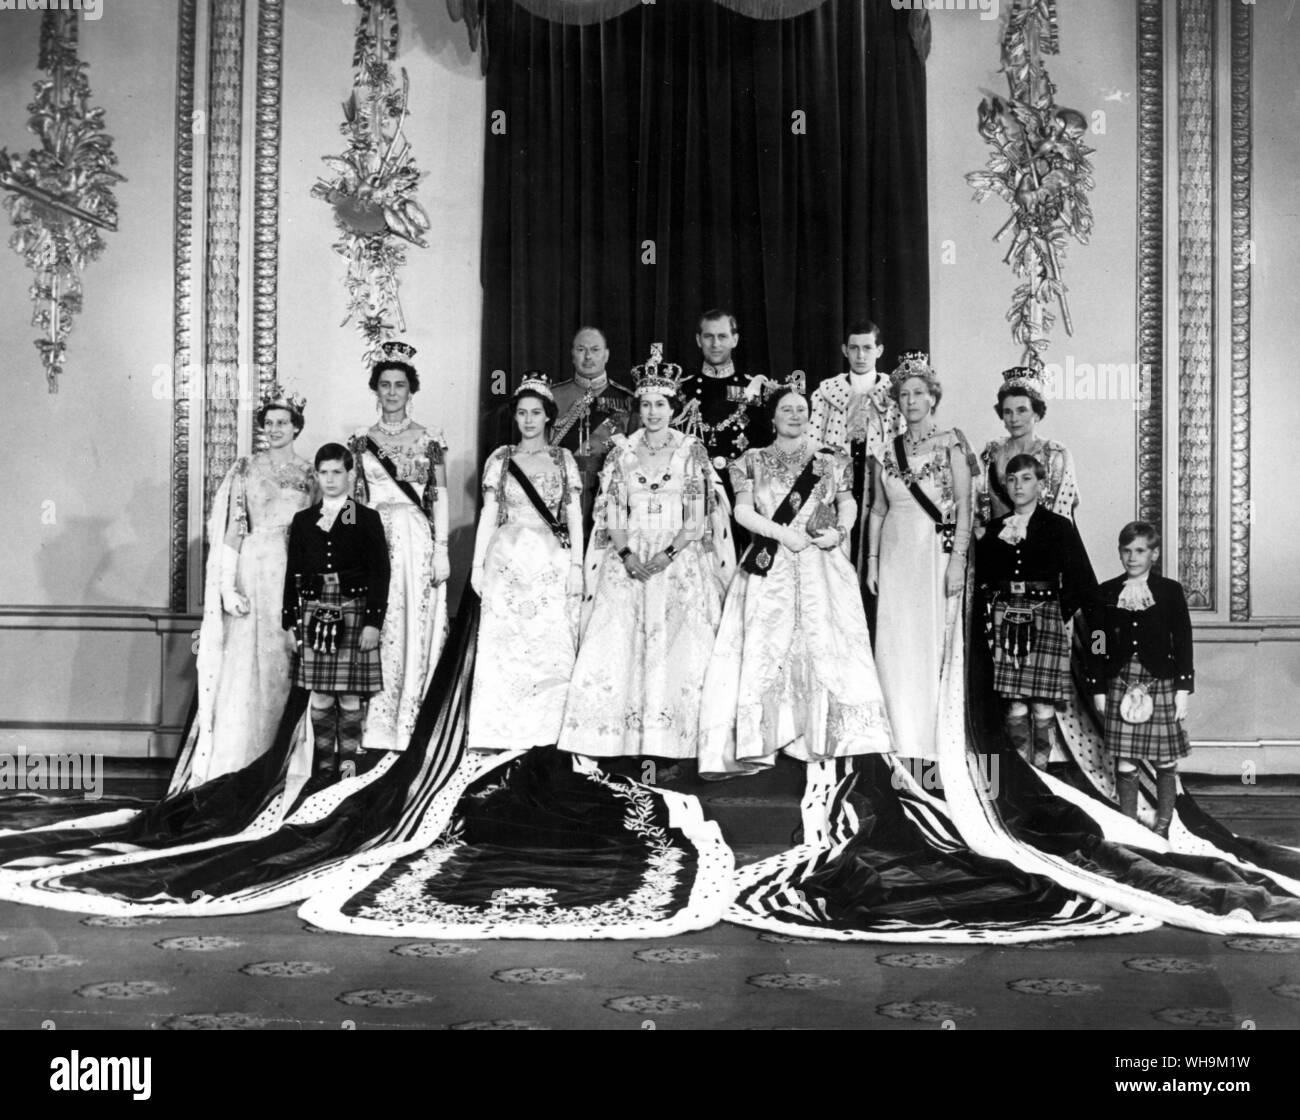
column 670, row 551
column 624, row 552
column 842, row 531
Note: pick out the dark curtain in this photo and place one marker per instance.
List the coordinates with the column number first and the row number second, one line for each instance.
column 778, row 167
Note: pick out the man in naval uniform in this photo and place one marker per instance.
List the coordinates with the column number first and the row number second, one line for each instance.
column 720, row 405
column 593, row 409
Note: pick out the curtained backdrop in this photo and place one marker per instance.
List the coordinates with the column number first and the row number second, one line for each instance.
column 775, row 166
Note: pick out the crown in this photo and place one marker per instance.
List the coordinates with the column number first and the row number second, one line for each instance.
column 398, row 351
column 537, row 382
column 798, row 381
column 1032, row 380
column 276, row 397
column 657, row 376
column 913, row 363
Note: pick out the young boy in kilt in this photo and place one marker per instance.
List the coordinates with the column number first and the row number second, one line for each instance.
column 1034, row 574
column 1140, row 670
column 335, row 596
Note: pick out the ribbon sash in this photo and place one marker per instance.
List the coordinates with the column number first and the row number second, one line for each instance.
column 405, row 487
column 946, row 529
column 530, row 492
column 762, row 550
column 576, row 411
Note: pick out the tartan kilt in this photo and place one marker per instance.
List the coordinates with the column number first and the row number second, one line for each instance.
column 1043, row 672
column 1162, row 738
column 349, row 669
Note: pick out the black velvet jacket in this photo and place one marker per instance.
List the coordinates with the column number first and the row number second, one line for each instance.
column 1052, row 552
column 1161, row 635
column 354, row 547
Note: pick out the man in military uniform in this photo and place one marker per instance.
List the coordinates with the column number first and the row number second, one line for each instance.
column 593, row 409
column 721, row 406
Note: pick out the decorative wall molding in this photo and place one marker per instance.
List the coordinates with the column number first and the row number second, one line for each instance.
column 221, row 269
column 1197, row 190
column 1242, row 254
column 1150, row 260
column 266, row 195
column 182, row 308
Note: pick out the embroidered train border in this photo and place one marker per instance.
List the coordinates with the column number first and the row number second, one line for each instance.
column 182, row 311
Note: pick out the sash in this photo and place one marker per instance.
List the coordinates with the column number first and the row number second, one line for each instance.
column 762, row 550
column 530, row 492
column 575, row 412
column 405, row 487
column 946, row 529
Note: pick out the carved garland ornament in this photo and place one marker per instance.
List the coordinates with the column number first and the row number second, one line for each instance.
column 60, row 194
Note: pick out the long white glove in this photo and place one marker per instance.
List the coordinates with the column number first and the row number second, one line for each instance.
column 231, row 600
column 441, row 531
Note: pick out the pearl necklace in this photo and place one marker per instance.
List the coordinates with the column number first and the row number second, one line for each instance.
column 394, row 429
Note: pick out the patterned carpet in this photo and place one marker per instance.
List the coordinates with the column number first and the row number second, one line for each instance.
column 272, row 971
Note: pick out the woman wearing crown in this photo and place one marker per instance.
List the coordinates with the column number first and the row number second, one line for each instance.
column 244, row 660
column 400, row 473
column 528, row 574
column 1021, row 405
column 918, row 536
column 656, row 568
column 792, row 668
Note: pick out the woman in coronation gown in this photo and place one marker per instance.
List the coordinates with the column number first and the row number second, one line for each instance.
column 244, row 660
column 401, row 474
column 792, row 668
column 655, row 573
column 918, row 537
column 528, row 574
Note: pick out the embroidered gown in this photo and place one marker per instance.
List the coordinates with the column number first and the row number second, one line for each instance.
column 914, row 616
column 244, row 664
column 792, row 668
column 645, row 646
column 1059, row 493
column 528, row 628
column 416, row 623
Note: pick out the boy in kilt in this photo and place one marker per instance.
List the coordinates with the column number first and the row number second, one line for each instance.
column 335, row 596
column 1140, row 670
column 1034, row 574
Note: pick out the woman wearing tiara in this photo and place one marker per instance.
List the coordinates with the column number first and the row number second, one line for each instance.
column 918, row 537
column 528, row 574
column 655, row 573
column 400, row 473
column 244, row 660
column 792, row 668
column 1021, row 405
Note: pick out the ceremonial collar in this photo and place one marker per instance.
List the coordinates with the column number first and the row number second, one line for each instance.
column 596, row 385
column 719, row 373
